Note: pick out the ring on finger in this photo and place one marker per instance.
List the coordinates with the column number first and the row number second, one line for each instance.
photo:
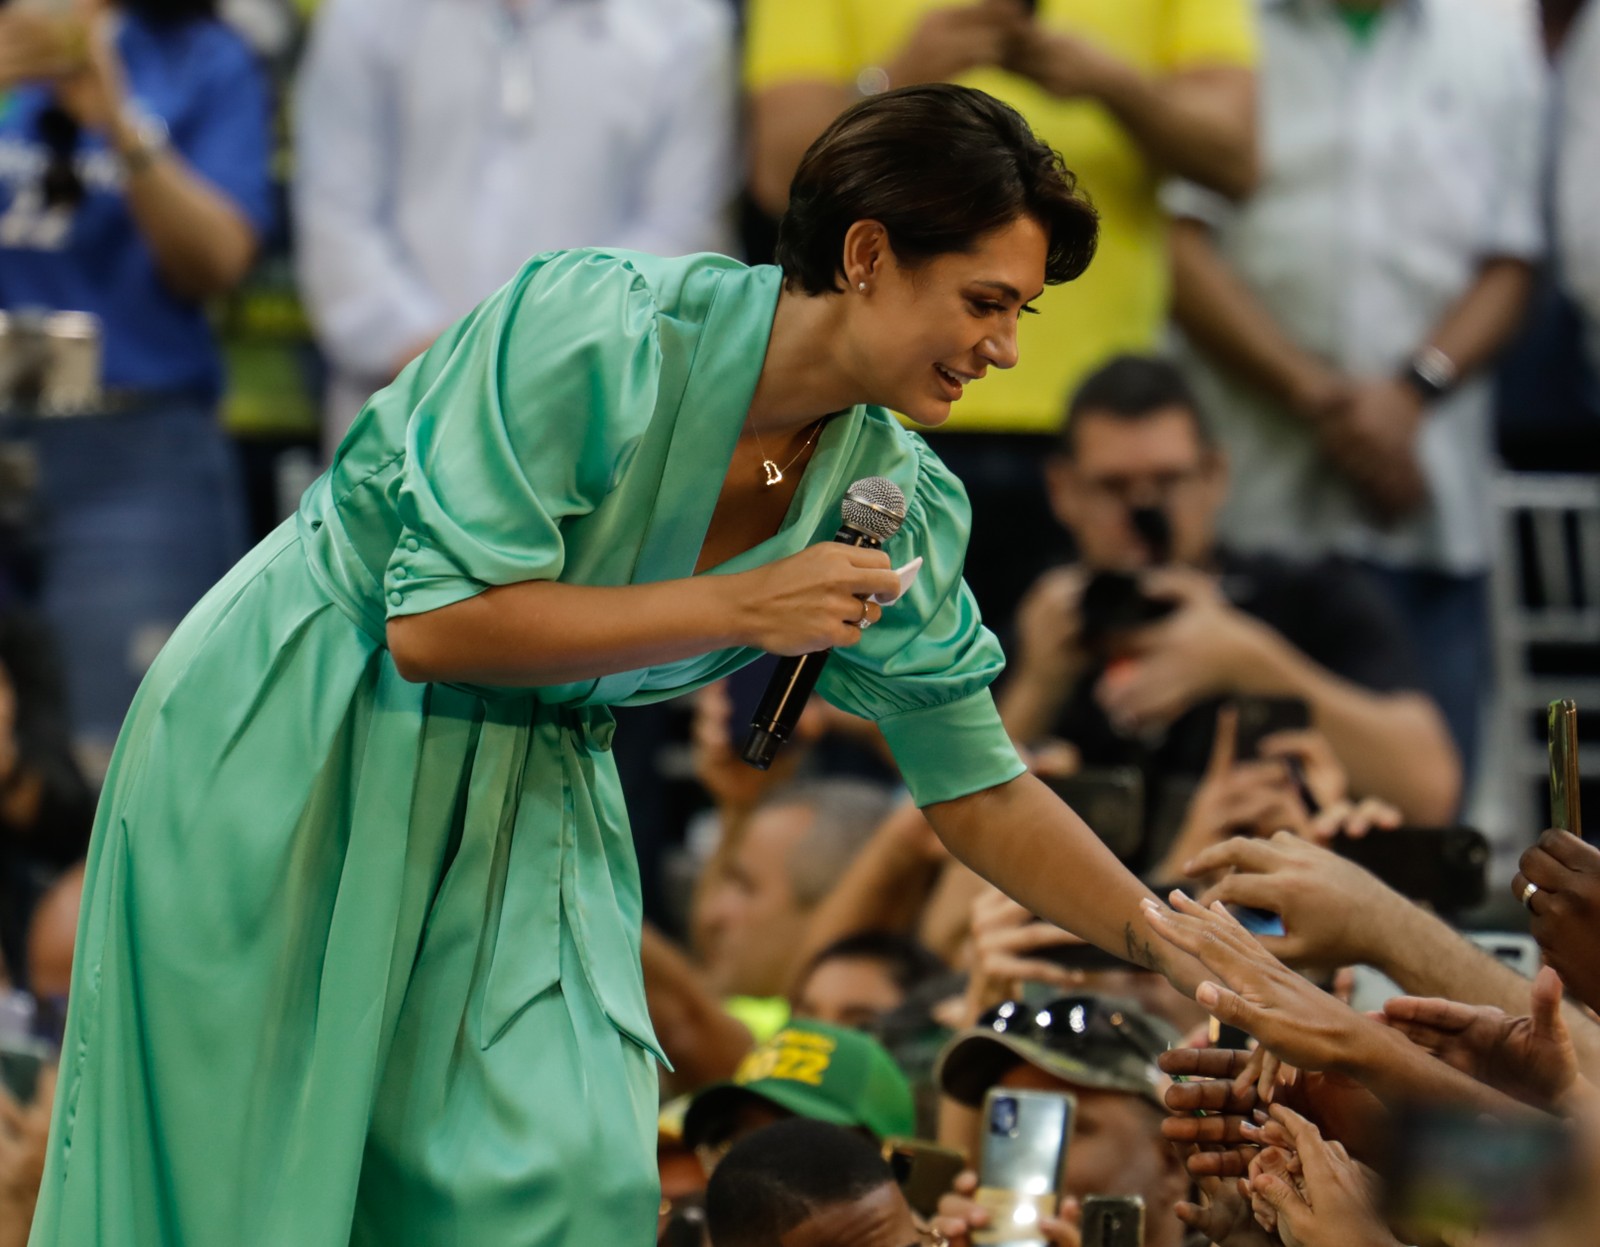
column 865, row 621
column 1526, row 897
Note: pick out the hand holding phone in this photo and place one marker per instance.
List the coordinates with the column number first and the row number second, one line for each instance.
column 1024, row 1156
column 1564, row 812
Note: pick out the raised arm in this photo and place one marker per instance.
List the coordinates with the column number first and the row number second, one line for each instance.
column 1198, row 123
column 199, row 208
column 882, row 889
column 1335, row 913
column 1022, row 838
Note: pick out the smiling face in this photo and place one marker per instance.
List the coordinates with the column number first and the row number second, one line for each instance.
column 921, row 334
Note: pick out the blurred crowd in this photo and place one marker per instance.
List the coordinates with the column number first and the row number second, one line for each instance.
column 1233, row 523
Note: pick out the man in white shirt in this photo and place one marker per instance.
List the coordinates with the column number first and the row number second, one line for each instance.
column 1339, row 323
column 440, row 143
column 1578, row 170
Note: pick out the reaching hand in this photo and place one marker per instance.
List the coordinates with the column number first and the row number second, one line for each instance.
column 1003, row 934
column 1222, row 1084
column 1299, row 1022
column 1565, row 909
column 1224, row 1215
column 1232, row 797
column 1354, row 819
column 1530, row 1058
column 1334, row 912
column 1326, row 1200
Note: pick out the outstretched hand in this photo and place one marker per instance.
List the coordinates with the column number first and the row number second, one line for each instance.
column 1318, row 1196
column 1220, row 1095
column 1253, row 990
column 1530, row 1058
column 1334, row 912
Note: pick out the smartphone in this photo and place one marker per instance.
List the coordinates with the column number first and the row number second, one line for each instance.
column 1024, row 1155
column 1445, row 866
column 1113, row 1221
column 1261, row 717
column 1371, row 988
column 924, row 1171
column 1111, row 800
column 1520, row 952
column 1564, row 812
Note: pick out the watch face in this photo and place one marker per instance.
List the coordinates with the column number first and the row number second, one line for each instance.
column 1435, row 367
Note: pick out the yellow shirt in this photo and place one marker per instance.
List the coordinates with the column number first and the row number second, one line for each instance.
column 1120, row 304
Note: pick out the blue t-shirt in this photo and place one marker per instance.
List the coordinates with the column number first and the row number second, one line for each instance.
column 203, row 81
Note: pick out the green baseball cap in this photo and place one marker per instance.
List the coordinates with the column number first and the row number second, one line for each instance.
column 1099, row 1042
column 815, row 1070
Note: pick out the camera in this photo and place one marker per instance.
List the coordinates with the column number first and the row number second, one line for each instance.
column 1115, row 602
column 50, row 362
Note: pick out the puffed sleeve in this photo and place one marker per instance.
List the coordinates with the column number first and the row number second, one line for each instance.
column 522, row 418
column 923, row 672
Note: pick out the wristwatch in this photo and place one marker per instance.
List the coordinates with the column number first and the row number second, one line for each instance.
column 151, row 139
column 1431, row 373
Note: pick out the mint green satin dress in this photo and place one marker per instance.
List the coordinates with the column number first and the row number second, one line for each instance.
column 359, row 957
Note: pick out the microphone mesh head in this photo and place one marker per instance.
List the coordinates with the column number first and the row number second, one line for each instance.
column 875, row 506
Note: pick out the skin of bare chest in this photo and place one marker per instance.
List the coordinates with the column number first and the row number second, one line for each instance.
column 748, row 510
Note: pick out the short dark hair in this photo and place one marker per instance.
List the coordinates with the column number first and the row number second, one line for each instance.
column 783, row 1174
column 940, row 167
column 908, row 961
column 1132, row 387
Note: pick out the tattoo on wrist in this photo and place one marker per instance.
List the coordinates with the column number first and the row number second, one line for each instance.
column 1140, row 952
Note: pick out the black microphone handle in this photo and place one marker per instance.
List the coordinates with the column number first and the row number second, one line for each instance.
column 791, row 685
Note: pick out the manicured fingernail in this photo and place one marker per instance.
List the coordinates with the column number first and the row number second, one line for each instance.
column 1260, row 1116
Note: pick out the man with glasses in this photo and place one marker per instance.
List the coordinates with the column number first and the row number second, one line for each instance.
column 1132, row 671
column 1103, row 1052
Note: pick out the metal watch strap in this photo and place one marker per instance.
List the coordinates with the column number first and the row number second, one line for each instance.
column 153, row 141
column 1432, row 373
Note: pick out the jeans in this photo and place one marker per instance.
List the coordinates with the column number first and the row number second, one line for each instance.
column 143, row 514
column 1448, row 620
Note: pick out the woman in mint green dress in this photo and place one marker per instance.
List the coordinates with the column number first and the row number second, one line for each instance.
column 359, row 956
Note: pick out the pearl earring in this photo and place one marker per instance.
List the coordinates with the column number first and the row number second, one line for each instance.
column 862, row 286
